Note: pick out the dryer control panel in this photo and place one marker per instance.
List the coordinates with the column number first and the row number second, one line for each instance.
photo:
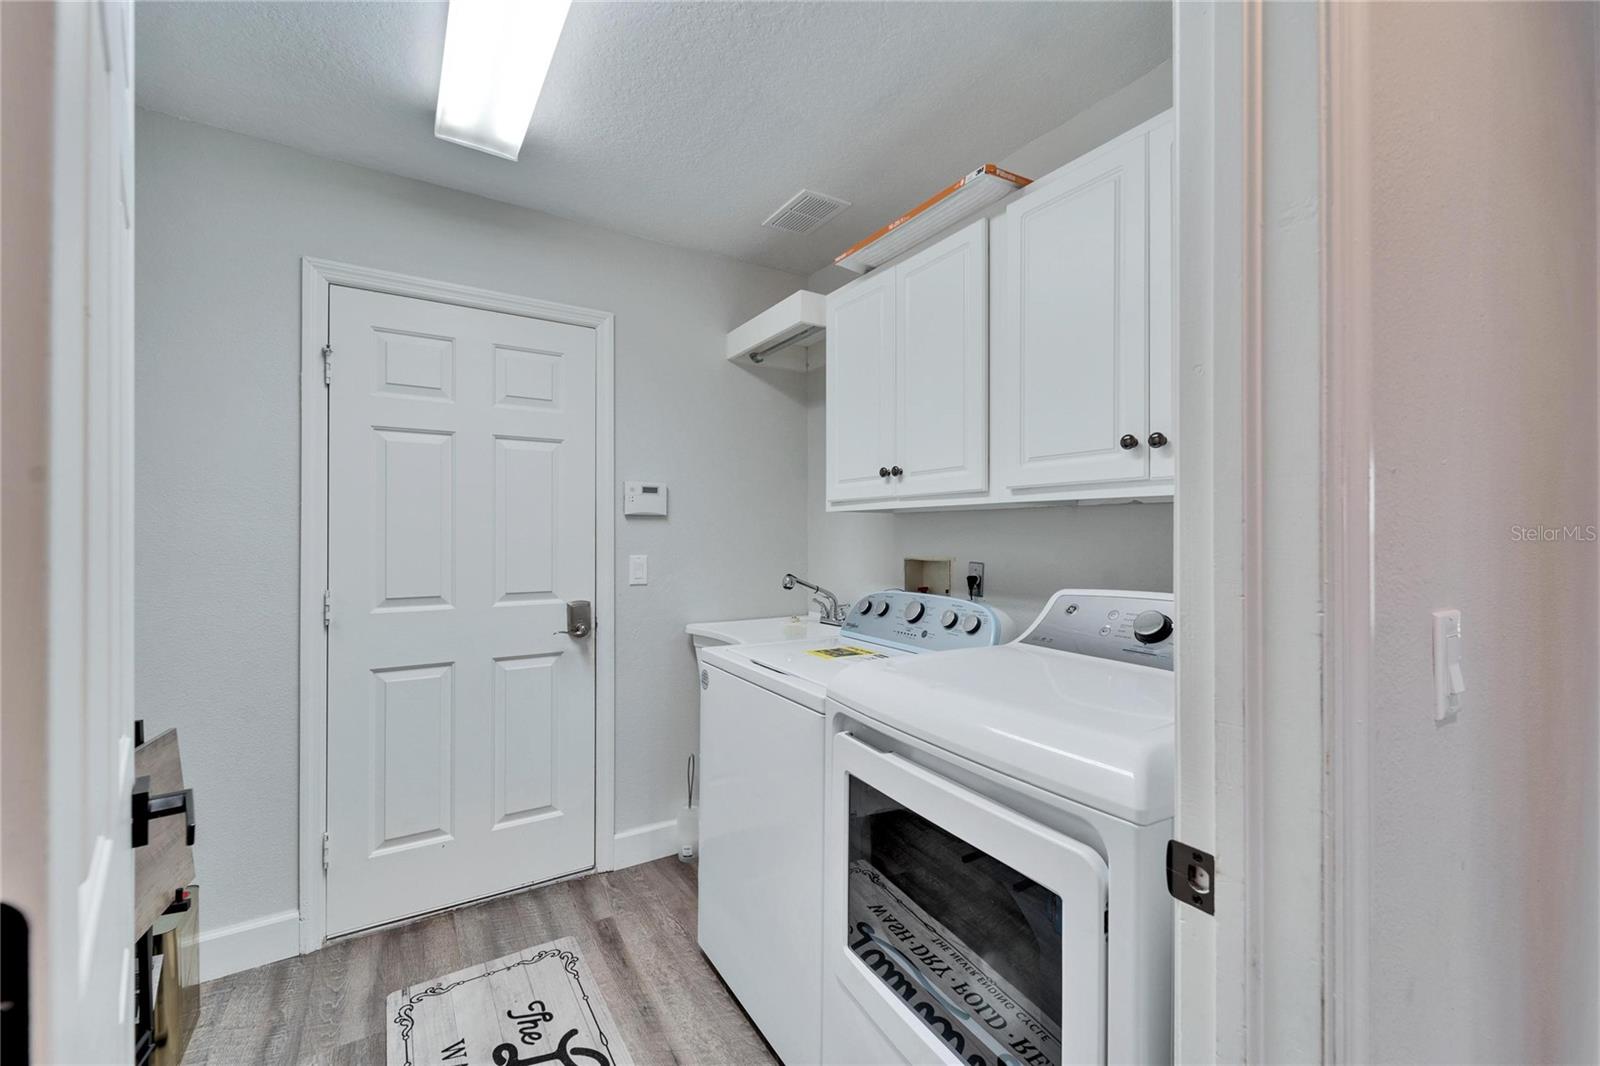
column 1130, row 627
column 918, row 621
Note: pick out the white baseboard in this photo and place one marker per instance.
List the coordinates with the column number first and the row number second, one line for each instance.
column 644, row 844
column 246, row 945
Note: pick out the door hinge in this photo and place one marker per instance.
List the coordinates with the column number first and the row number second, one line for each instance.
column 1191, row 876
column 324, row 852
column 327, row 364
column 327, row 608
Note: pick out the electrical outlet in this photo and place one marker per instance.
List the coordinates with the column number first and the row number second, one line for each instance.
column 638, row 570
column 974, row 580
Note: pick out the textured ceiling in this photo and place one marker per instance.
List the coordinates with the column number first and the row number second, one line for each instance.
column 686, row 123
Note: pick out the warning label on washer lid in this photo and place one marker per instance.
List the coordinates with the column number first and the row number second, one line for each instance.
column 846, row 651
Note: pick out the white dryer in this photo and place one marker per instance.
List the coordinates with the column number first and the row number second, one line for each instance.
column 997, row 821
column 763, row 743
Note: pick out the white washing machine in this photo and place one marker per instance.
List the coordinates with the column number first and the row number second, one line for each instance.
column 763, row 746
column 997, row 821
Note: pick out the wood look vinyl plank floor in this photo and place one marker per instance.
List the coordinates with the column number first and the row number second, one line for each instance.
column 636, row 928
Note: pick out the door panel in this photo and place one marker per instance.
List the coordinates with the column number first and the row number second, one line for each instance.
column 942, row 368
column 78, row 586
column 1074, row 365
column 860, row 370
column 461, row 521
column 1163, row 399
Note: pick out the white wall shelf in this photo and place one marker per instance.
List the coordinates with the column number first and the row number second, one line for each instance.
column 784, row 335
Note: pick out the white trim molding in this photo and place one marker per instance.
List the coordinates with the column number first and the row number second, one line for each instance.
column 316, row 277
column 1208, row 952
column 645, row 843
column 1249, row 573
column 1348, row 513
column 246, row 945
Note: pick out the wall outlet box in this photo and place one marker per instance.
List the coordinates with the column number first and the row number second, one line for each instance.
column 644, row 498
column 928, row 575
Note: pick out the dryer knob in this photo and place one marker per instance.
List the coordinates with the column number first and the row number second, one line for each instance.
column 971, row 623
column 914, row 610
column 1151, row 627
column 949, row 619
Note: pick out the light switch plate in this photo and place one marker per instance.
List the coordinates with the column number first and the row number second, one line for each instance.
column 638, row 570
column 1449, row 676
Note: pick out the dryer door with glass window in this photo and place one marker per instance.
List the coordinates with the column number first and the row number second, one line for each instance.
column 964, row 931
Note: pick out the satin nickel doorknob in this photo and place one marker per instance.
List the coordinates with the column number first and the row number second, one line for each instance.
column 1158, row 439
column 580, row 620
column 1128, row 442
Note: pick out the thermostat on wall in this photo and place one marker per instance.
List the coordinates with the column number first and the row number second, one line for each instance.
column 644, row 497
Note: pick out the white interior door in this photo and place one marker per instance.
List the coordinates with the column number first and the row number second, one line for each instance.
column 860, row 410
column 1073, row 365
column 82, row 930
column 942, row 366
column 461, row 521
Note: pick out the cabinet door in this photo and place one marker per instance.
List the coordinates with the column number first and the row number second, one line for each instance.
column 1071, row 381
column 860, row 371
column 942, row 372
column 1163, row 311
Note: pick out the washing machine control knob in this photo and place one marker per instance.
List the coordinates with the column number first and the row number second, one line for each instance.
column 949, row 619
column 865, row 608
column 883, row 609
column 971, row 623
column 914, row 610
column 1151, row 627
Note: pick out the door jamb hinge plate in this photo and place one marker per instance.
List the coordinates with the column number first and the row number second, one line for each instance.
column 327, row 608
column 324, row 852
column 327, row 364
column 1192, row 876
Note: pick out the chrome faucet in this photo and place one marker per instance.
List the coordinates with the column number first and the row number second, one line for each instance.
column 827, row 603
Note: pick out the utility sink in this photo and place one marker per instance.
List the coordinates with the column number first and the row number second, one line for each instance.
column 759, row 630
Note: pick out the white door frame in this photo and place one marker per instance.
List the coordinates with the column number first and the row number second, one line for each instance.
column 316, row 277
column 1348, row 515
column 1254, row 567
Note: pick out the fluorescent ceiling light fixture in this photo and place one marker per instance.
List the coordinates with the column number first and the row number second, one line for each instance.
column 496, row 56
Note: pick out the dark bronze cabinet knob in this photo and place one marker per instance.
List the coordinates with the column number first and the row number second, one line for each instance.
column 1128, row 442
column 1158, row 439
column 883, row 471
column 896, row 471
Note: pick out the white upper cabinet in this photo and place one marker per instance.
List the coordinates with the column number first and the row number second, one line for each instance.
column 860, row 389
column 1076, row 401
column 907, row 376
column 1071, row 371
column 942, row 373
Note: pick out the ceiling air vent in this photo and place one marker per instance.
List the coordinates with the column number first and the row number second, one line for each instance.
column 805, row 211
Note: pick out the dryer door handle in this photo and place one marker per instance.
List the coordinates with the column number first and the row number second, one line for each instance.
column 970, row 815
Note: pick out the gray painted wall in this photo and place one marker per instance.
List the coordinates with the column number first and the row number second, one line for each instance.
column 1484, row 908
column 1028, row 552
column 223, row 221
